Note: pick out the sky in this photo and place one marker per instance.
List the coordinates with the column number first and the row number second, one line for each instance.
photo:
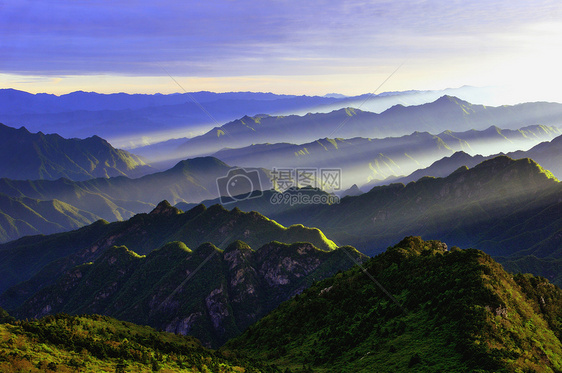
column 311, row 47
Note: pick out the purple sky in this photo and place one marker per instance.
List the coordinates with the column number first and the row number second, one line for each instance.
column 296, row 47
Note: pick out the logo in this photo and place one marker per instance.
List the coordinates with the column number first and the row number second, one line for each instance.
column 239, row 185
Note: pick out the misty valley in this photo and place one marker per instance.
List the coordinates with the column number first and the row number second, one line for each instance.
column 404, row 231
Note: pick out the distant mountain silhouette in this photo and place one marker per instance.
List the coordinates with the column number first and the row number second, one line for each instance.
column 365, row 160
column 446, row 113
column 137, row 119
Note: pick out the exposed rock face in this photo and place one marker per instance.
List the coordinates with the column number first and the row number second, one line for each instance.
column 183, row 326
column 211, row 294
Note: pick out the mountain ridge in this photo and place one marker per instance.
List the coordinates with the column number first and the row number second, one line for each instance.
column 446, row 113
column 440, row 310
column 27, row 155
column 143, row 232
column 223, row 293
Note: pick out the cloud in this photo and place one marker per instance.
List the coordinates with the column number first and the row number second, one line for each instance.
column 227, row 38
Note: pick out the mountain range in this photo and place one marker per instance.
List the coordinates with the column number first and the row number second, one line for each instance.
column 546, row 153
column 419, row 306
column 501, row 206
column 134, row 120
column 208, row 293
column 92, row 270
column 115, row 198
column 445, row 114
column 50, row 206
column 30, row 156
column 271, row 280
column 366, row 160
column 27, row 259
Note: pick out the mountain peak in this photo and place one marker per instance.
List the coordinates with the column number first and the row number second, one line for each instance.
column 451, row 99
column 238, row 246
column 164, row 208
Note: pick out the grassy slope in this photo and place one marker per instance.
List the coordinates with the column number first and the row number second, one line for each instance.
column 40, row 156
column 25, row 216
column 461, row 311
column 101, row 344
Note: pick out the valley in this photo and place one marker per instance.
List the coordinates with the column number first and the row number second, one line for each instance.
column 439, row 251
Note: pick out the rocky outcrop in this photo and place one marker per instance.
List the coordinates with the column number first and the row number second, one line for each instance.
column 211, row 294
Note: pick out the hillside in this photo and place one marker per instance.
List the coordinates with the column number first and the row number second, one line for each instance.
column 441, row 168
column 25, row 216
column 547, row 154
column 93, row 343
column 208, row 293
column 440, row 310
column 40, row 260
column 119, row 198
column 25, row 155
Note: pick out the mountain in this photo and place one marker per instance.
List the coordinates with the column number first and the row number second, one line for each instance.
column 133, row 120
column 441, row 168
column 94, row 343
column 352, row 191
column 494, row 140
column 417, row 307
column 22, row 216
column 208, row 293
column 360, row 159
column 364, row 160
column 293, row 204
column 501, row 206
column 446, row 113
column 25, row 155
column 119, row 198
column 40, row 260
column 547, row 153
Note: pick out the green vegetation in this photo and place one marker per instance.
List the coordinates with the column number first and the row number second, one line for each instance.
column 40, row 260
column 208, row 293
column 34, row 156
column 117, row 198
column 92, row 343
column 20, row 216
column 452, row 310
